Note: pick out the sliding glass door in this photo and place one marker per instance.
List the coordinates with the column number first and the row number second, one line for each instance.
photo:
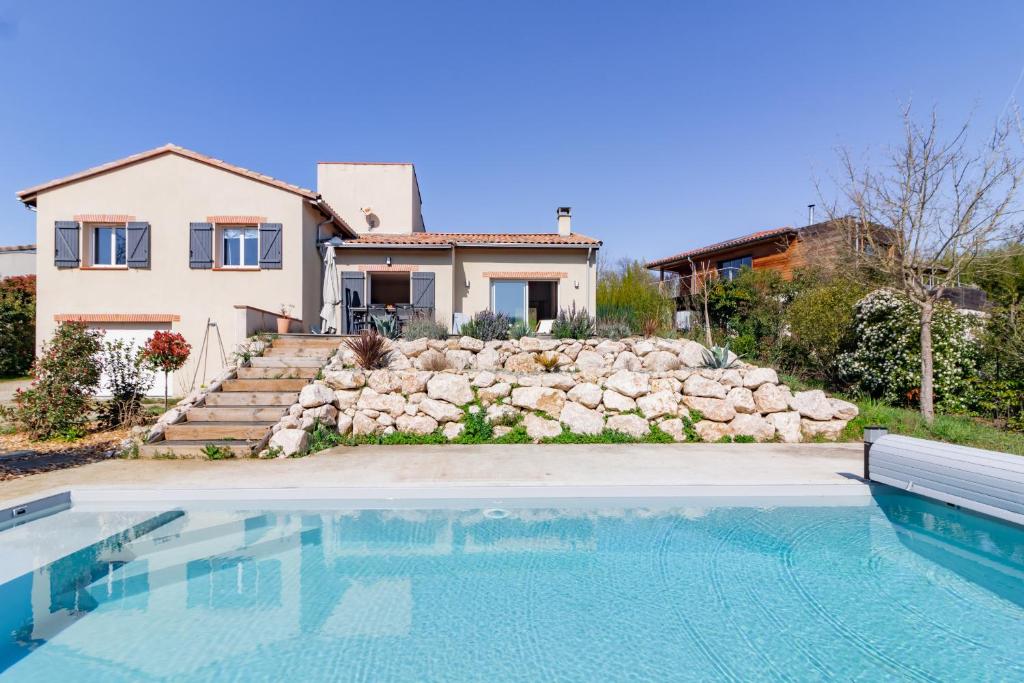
column 509, row 297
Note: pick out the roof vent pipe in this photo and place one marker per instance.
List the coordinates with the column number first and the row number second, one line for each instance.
column 810, row 214
column 564, row 214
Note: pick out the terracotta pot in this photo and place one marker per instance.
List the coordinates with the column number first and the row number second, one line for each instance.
column 283, row 324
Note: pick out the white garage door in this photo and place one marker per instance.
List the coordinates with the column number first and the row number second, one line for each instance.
column 136, row 334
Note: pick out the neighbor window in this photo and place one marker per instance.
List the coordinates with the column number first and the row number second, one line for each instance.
column 240, row 247
column 731, row 268
column 109, row 245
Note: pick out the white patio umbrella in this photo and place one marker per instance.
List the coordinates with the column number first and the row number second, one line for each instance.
column 330, row 294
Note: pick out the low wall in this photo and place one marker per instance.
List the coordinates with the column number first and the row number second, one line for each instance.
column 628, row 386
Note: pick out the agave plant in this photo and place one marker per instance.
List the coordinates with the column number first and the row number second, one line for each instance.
column 370, row 349
column 519, row 329
column 386, row 326
column 717, row 357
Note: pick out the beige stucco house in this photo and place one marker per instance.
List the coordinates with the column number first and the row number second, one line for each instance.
column 176, row 240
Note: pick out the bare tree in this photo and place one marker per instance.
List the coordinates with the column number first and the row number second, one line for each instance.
column 701, row 279
column 921, row 219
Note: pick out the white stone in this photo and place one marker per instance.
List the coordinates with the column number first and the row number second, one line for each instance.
column 488, row 359
column 535, row 344
column 712, row 431
column 501, row 430
column 421, row 424
column 587, row 393
column 326, row 414
column 843, row 410
column 713, row 409
column 632, row 384
column 494, row 392
column 442, row 411
column 414, row 381
column 589, row 361
column 758, row 376
column 432, row 359
column 613, row 400
column 634, row 425
column 558, row 380
column 295, row 410
column 484, row 378
column 344, row 424
column 657, row 404
column 538, row 427
column 539, row 398
column 771, row 399
column 692, row 355
column 732, row 378
column 610, row 346
column 673, row 427
column 812, row 404
column 581, row 419
column 398, row 361
column 290, row 441
column 413, row 347
column 452, row 430
column 827, row 429
column 314, row 395
column 452, row 388
column 385, row 420
column 345, row 379
column 787, row 425
column 666, row 384
column 696, row 385
column 742, row 399
column 752, row 425
column 501, row 412
column 393, row 404
column 522, row 362
column 660, row 361
column 459, row 360
column 643, row 347
column 627, row 360
column 384, row 381
column 471, row 344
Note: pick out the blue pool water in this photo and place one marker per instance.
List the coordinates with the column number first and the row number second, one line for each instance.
column 890, row 588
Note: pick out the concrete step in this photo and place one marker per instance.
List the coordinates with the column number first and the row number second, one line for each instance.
column 194, row 449
column 295, row 385
column 292, row 342
column 236, row 414
column 251, row 398
column 211, row 431
column 278, row 373
column 285, row 362
column 280, row 352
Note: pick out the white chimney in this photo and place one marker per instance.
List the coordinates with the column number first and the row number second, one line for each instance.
column 564, row 214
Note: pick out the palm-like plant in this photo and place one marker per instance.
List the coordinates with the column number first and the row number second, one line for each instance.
column 370, row 349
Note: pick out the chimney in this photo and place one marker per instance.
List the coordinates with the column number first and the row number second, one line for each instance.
column 810, row 214
column 564, row 214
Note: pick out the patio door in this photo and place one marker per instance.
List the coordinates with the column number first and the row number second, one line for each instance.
column 509, row 297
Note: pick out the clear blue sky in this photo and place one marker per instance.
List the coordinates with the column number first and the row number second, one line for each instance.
column 664, row 124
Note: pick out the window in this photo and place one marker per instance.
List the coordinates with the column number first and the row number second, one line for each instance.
column 109, row 247
column 509, row 297
column 731, row 268
column 389, row 289
column 240, row 247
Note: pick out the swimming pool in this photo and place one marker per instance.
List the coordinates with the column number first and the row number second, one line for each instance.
column 884, row 587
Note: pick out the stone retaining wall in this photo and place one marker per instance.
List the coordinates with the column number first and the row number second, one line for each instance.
column 626, row 385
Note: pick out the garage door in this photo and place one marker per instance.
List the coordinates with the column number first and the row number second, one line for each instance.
column 136, row 334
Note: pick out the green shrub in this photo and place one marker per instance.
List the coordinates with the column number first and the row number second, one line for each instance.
column 573, row 324
column 886, row 359
column 613, row 329
column 486, row 326
column 424, row 326
column 520, row 329
column 749, row 311
column 128, row 378
column 17, row 324
column 820, row 322
column 65, row 376
column 629, row 296
column 478, row 429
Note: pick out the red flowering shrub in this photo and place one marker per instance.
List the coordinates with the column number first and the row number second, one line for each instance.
column 65, row 376
column 17, row 324
column 166, row 351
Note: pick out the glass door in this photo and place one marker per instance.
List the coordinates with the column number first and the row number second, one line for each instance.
column 509, row 297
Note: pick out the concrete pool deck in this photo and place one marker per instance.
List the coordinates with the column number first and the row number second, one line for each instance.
column 752, row 468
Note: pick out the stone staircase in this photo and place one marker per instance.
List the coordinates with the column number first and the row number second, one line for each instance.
column 237, row 418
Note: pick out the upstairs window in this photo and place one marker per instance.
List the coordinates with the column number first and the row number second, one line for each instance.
column 240, row 247
column 109, row 246
column 731, row 268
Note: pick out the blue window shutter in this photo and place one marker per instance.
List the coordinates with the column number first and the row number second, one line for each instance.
column 423, row 290
column 200, row 244
column 270, row 246
column 66, row 244
column 138, row 245
column 353, row 288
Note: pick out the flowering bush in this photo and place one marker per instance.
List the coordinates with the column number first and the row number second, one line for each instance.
column 65, row 375
column 127, row 379
column 17, row 324
column 166, row 351
column 886, row 359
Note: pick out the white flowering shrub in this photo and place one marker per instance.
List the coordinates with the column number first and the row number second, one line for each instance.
column 886, row 360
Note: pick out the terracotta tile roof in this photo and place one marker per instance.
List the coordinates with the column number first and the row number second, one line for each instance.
column 510, row 239
column 752, row 238
column 19, row 247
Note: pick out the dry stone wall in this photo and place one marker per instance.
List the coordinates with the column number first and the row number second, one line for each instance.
column 595, row 384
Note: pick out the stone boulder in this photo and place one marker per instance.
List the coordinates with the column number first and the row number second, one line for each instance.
column 713, row 409
column 522, row 363
column 290, row 442
column 613, row 400
column 827, row 429
column 344, row 424
column 459, row 359
column 610, row 346
column 633, row 425
column 538, row 427
column 643, row 347
column 484, row 379
column 692, row 355
column 581, row 419
column 627, row 383
column 742, row 400
column 384, row 381
column 442, row 411
column 696, row 385
column 757, row 376
column 471, row 344
column 326, row 414
column 533, row 344
column 364, row 425
column 452, row 430
column 488, row 359
column 674, row 427
column 315, row 395
column 392, row 404
column 494, row 392
column 770, row 399
column 346, row 398
column 627, row 360
column 812, row 404
column 413, row 347
column 657, row 404
column 712, row 431
column 450, row 387
column 539, row 398
column 660, row 361
column 432, row 359
column 752, row 425
column 843, row 410
column 589, row 361
column 586, row 393
column 420, row 424
column 501, row 412
column 413, row 381
column 345, row 379
column 558, row 380
column 787, row 426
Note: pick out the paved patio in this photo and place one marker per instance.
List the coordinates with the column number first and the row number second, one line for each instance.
column 755, row 467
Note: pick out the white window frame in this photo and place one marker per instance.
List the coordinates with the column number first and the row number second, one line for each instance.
column 94, row 241
column 221, row 251
column 526, row 294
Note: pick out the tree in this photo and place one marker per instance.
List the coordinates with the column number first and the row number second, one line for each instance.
column 922, row 219
column 166, row 351
column 17, row 324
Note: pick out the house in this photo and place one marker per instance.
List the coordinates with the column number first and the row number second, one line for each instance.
column 176, row 240
column 17, row 260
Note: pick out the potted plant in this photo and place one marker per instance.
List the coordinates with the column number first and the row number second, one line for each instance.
column 284, row 319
